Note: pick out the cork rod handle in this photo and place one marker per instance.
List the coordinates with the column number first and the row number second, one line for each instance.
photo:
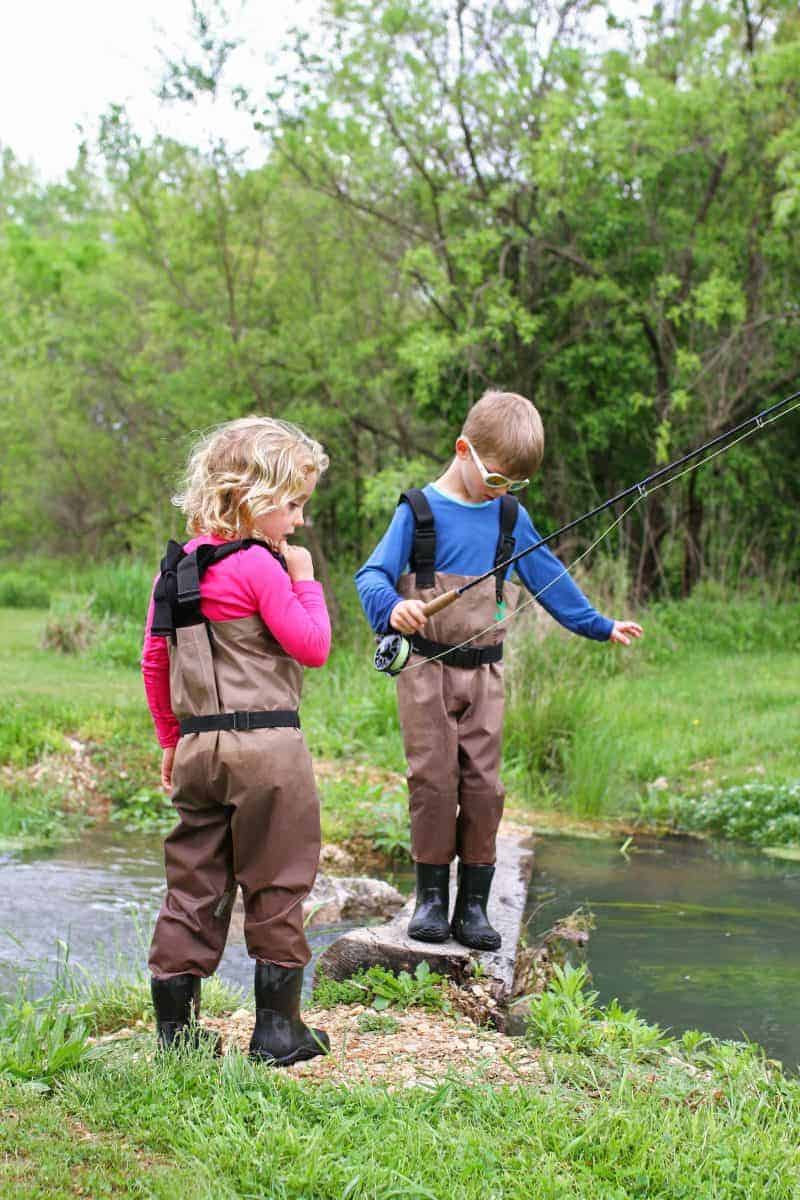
column 443, row 601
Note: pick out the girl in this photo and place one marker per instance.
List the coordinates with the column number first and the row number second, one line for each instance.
column 235, row 616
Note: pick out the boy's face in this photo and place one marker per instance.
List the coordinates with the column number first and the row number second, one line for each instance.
column 472, row 478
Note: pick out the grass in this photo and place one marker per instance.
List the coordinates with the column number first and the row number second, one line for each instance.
column 626, row 1111
column 707, row 701
column 703, row 701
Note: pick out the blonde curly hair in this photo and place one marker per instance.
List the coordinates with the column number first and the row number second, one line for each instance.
column 244, row 469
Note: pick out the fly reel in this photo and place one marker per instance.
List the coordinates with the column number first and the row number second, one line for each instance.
column 392, row 653
column 394, row 650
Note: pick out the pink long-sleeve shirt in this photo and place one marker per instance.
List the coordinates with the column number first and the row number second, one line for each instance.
column 252, row 581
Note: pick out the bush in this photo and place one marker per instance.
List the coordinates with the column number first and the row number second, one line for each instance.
column 23, row 589
column 70, row 627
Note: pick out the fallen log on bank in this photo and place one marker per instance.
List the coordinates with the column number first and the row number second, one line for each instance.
column 389, row 945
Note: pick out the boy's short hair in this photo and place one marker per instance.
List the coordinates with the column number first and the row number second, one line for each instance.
column 506, row 429
column 244, row 469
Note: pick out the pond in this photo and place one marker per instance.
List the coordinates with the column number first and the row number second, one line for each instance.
column 694, row 935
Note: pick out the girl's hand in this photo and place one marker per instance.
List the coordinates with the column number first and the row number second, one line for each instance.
column 299, row 563
column 408, row 616
column 167, row 759
column 623, row 631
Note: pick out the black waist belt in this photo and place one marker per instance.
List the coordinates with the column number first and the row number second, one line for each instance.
column 279, row 718
column 452, row 656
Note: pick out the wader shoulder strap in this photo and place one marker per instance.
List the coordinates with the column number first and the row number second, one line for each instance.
column 509, row 509
column 176, row 598
column 423, row 551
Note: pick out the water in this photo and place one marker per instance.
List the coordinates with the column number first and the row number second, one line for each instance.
column 98, row 896
column 692, row 935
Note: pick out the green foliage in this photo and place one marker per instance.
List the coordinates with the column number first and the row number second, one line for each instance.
column 602, row 219
column 106, row 1005
column 39, row 1043
column 36, row 815
column 719, row 621
column 424, row 989
column 23, row 589
column 762, row 814
column 330, row 992
column 120, row 589
column 383, row 989
column 690, row 1118
column 389, row 831
column 377, row 1022
column 566, row 1018
column 145, row 811
column 120, row 644
column 29, row 729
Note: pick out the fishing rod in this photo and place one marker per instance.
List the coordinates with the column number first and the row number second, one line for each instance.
column 394, row 650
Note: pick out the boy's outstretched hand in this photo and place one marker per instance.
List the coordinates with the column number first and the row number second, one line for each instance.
column 623, row 631
column 408, row 616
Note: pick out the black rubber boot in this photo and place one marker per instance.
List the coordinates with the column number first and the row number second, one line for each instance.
column 429, row 922
column 280, row 1037
column 177, row 1005
column 470, row 925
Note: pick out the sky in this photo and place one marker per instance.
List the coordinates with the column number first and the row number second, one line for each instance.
column 63, row 62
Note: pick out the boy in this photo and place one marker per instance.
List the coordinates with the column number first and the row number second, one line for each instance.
column 451, row 709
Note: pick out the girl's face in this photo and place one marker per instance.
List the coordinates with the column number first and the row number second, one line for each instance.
column 280, row 524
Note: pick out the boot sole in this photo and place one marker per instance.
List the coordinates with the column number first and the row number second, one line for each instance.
column 288, row 1060
column 424, row 935
column 477, row 944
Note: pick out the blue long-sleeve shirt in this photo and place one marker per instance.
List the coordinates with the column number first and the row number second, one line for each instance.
column 466, row 540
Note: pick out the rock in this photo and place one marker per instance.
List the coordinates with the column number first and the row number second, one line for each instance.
column 351, row 898
column 389, row 945
column 334, row 899
column 335, row 859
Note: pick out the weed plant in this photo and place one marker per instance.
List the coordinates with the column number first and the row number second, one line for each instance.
column 566, row 1018
column 39, row 1043
column 762, row 814
column 70, row 627
column 383, row 989
column 377, row 1022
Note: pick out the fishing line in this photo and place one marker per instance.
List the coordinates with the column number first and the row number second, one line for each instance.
column 642, row 492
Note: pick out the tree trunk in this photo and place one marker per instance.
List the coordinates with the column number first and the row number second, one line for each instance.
column 692, row 556
column 649, row 571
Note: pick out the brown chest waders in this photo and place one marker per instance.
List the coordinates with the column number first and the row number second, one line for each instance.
column 244, row 790
column 452, row 715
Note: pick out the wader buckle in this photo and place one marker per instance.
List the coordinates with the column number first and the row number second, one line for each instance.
column 241, row 721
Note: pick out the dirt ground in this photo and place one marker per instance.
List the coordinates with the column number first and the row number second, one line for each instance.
column 424, row 1049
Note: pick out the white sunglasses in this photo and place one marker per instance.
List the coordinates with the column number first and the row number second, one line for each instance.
column 493, row 479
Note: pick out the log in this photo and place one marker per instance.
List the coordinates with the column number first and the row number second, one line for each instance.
column 389, row 946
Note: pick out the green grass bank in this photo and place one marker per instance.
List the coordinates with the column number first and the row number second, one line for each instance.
column 618, row 1110
column 692, row 728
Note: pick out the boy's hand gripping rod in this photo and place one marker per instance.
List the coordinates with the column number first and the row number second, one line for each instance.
column 394, row 649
